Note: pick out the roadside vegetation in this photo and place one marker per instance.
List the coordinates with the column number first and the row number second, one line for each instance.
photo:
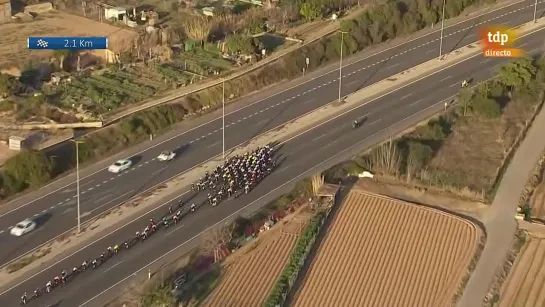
column 110, row 88
column 465, row 150
column 203, row 270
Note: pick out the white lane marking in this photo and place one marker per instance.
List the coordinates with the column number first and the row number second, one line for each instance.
column 444, row 79
column 103, row 198
column 309, row 101
column 320, row 136
column 275, row 94
column 454, row 84
column 217, row 143
column 430, row 51
column 2, row 231
column 412, row 104
column 330, row 144
column 392, row 66
column 158, row 171
column 351, row 83
column 110, row 201
column 87, row 183
column 113, row 266
column 374, row 122
column 408, row 95
column 174, row 230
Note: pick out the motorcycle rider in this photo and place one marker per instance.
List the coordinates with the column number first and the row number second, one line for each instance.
column 48, row 286
column 24, row 298
column 94, row 263
column 37, row 292
column 116, row 248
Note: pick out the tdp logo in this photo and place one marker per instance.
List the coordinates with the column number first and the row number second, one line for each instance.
column 498, row 37
column 498, row 41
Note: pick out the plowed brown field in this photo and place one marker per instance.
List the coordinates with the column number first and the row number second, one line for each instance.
column 526, row 281
column 383, row 252
column 250, row 273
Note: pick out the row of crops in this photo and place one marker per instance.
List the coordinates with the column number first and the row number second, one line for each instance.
column 112, row 89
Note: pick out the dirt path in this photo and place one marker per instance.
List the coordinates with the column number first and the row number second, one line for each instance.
column 382, row 252
column 499, row 222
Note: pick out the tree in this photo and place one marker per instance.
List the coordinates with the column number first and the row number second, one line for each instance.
column 8, row 85
column 464, row 99
column 310, row 10
column 486, row 107
column 240, row 43
column 198, row 28
column 61, row 55
column 385, row 159
column 217, row 238
column 417, row 157
column 518, row 73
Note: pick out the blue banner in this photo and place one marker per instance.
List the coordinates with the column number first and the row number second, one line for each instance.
column 68, row 43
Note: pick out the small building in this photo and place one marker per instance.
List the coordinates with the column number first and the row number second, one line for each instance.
column 117, row 13
column 5, row 11
column 208, row 11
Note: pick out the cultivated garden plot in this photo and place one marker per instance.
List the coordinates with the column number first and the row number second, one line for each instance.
column 524, row 285
column 250, row 273
column 378, row 251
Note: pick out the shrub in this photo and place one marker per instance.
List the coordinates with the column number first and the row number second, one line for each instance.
column 27, row 169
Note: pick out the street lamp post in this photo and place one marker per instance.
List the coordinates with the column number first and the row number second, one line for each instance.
column 223, row 120
column 442, row 27
column 341, row 65
column 77, row 184
column 535, row 11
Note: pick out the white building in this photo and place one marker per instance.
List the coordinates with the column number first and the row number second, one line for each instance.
column 116, row 13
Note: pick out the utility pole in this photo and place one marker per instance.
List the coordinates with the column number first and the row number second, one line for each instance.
column 341, row 66
column 442, row 27
column 535, row 11
column 223, row 119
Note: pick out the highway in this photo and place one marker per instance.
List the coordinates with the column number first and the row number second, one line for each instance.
column 55, row 212
column 328, row 143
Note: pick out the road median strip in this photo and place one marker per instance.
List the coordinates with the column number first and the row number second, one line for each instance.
column 65, row 244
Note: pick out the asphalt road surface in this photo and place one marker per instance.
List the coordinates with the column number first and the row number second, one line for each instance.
column 56, row 212
column 318, row 148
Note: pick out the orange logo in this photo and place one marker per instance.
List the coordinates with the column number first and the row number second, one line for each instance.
column 498, row 41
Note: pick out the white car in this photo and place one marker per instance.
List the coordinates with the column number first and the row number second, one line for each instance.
column 166, row 156
column 23, row 227
column 120, row 166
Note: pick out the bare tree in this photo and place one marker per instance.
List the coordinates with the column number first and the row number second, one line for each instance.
column 217, row 238
column 198, row 28
column 385, row 159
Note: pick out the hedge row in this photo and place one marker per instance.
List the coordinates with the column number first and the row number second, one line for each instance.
column 295, row 264
column 376, row 25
